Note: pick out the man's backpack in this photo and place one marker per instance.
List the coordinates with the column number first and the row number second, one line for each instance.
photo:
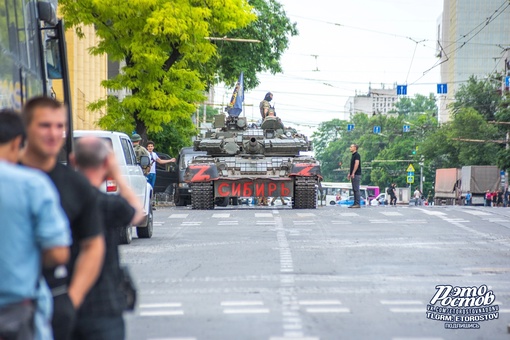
column 389, row 191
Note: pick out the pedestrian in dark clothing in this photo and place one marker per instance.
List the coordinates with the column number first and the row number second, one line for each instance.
column 500, row 198
column 488, row 198
column 393, row 194
column 355, row 175
column 100, row 316
column 45, row 121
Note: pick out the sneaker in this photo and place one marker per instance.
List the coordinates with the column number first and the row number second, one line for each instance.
column 355, row 206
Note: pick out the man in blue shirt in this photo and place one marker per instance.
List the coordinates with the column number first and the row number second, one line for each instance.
column 34, row 229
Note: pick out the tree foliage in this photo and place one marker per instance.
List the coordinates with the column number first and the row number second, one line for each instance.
column 272, row 28
column 163, row 46
column 484, row 96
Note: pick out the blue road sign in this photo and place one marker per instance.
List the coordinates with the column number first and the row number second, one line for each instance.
column 350, row 127
column 401, row 90
column 377, row 129
column 406, row 128
column 507, row 81
column 410, row 179
column 502, row 172
column 410, row 173
column 442, row 88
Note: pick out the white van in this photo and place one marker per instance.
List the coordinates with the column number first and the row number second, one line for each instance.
column 132, row 172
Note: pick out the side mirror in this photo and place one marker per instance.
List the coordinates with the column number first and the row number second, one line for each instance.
column 171, row 167
column 144, row 161
column 53, row 64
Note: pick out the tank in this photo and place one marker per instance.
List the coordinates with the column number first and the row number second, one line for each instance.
column 256, row 161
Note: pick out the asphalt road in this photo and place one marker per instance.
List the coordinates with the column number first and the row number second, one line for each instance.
column 331, row 273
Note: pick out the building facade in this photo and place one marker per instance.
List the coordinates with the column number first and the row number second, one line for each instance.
column 376, row 101
column 472, row 36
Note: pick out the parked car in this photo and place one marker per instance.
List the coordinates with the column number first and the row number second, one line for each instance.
column 166, row 175
column 379, row 200
column 132, row 172
column 350, row 201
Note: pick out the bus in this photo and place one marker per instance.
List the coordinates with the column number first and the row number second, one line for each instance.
column 372, row 191
column 32, row 53
column 332, row 192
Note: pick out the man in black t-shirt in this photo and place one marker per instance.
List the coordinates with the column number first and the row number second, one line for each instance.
column 355, row 175
column 45, row 122
column 100, row 316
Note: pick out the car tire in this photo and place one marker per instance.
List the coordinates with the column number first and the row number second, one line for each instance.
column 146, row 232
column 125, row 235
column 179, row 200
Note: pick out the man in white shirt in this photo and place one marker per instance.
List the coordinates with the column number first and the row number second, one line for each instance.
column 417, row 197
column 151, row 177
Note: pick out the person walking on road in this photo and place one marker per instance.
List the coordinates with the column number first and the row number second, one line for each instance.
column 45, row 120
column 355, row 175
column 34, row 231
column 393, row 194
column 468, row 198
column 417, row 197
column 154, row 158
column 100, row 316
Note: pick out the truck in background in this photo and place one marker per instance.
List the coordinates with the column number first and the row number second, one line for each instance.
column 477, row 179
column 447, row 186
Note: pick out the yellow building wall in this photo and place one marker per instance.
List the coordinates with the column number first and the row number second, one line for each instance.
column 86, row 72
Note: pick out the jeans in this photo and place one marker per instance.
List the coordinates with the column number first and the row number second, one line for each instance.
column 356, row 181
column 151, row 178
column 99, row 328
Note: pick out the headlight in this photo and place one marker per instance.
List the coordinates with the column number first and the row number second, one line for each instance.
column 183, row 185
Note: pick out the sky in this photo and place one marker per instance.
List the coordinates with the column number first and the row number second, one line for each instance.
column 343, row 47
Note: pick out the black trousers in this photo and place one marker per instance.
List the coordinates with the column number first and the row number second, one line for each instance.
column 64, row 317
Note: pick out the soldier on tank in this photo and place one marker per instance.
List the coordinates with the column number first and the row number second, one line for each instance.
column 265, row 105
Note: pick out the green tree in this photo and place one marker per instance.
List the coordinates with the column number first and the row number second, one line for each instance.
column 482, row 95
column 272, row 28
column 163, row 44
column 418, row 104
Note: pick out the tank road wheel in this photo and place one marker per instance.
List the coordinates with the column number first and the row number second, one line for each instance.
column 202, row 196
column 305, row 193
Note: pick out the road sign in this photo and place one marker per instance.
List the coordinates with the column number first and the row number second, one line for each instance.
column 401, row 90
column 377, row 129
column 410, row 168
column 410, row 173
column 406, row 128
column 410, row 179
column 442, row 88
column 350, row 127
column 507, row 81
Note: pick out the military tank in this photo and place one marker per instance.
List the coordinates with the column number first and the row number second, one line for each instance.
column 255, row 161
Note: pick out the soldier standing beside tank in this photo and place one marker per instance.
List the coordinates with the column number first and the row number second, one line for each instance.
column 265, row 105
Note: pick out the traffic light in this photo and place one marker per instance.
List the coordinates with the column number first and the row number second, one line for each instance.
column 414, row 151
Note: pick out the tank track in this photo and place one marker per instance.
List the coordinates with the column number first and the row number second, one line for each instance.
column 202, row 196
column 305, row 193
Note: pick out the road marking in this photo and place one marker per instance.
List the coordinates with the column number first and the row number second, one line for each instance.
column 401, row 302
column 341, row 222
column 380, row 221
column 242, row 303
column 391, row 213
column 162, row 313
column 220, row 215
column 319, row 302
column 263, row 215
column 493, row 220
column 328, row 310
column 477, row 212
column 293, row 337
column 246, row 311
column 265, row 223
column 456, row 220
column 161, row 305
column 228, row 222
column 348, row 214
column 432, row 212
column 407, row 310
column 192, row 223
column 178, row 216
column 306, row 214
column 172, row 339
column 303, row 222
column 416, row 338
